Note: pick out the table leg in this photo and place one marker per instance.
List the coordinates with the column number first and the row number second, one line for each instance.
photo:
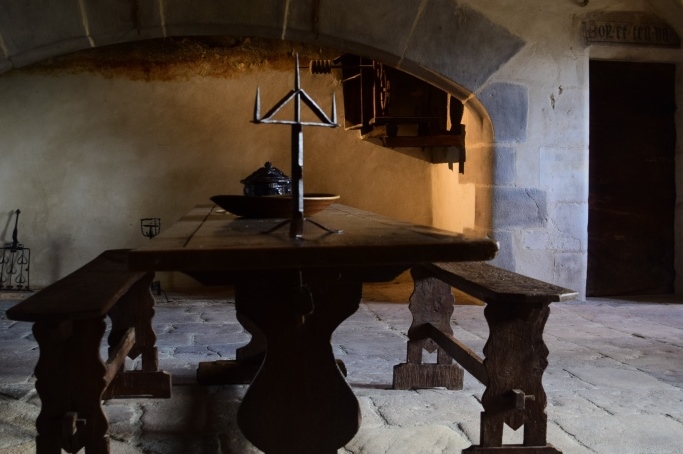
column 243, row 368
column 255, row 350
column 299, row 401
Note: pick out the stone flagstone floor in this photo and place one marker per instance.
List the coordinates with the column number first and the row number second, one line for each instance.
column 614, row 383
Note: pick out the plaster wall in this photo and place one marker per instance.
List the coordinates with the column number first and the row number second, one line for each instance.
column 520, row 67
column 85, row 157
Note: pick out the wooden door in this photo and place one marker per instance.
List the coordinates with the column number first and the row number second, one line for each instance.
column 631, row 179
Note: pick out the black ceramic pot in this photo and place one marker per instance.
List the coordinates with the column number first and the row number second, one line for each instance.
column 267, row 180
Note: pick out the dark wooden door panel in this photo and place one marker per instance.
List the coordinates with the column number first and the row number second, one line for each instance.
column 631, row 178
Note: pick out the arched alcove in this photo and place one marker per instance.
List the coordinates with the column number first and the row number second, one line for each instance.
column 76, row 230
column 103, row 143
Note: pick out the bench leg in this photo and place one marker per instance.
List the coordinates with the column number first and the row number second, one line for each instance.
column 70, row 382
column 136, row 310
column 516, row 357
column 431, row 302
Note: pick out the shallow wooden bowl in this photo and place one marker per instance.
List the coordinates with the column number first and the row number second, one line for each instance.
column 275, row 206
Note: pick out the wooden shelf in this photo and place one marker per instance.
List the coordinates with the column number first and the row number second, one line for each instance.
column 441, row 140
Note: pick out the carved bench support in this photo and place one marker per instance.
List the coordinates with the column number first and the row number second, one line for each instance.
column 68, row 324
column 70, row 380
column 431, row 302
column 516, row 356
column 136, row 310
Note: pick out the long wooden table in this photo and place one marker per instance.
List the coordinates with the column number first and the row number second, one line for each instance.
column 293, row 293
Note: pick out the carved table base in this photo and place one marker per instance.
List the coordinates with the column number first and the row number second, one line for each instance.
column 243, row 369
column 512, row 449
column 299, row 402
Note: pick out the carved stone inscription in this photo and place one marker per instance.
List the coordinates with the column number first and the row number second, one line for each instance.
column 636, row 29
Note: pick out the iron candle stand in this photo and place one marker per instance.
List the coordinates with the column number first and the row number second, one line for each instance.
column 297, row 153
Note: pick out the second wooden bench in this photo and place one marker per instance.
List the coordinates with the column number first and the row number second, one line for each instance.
column 69, row 324
column 517, row 308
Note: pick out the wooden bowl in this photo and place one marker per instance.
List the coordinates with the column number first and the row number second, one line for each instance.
column 276, row 206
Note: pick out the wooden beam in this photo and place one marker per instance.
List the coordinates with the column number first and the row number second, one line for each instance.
column 118, row 355
column 460, row 352
column 441, row 140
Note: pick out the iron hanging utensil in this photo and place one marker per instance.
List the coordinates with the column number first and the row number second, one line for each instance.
column 15, row 233
column 14, row 262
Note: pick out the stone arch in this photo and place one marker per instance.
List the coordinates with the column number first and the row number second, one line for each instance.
column 449, row 45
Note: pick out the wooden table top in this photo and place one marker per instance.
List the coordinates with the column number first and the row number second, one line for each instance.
column 209, row 239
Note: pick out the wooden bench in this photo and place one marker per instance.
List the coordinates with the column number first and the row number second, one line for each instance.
column 68, row 324
column 517, row 308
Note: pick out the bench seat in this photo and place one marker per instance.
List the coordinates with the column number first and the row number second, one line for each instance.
column 491, row 284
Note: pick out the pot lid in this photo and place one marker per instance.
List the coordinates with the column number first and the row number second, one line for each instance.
column 266, row 174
